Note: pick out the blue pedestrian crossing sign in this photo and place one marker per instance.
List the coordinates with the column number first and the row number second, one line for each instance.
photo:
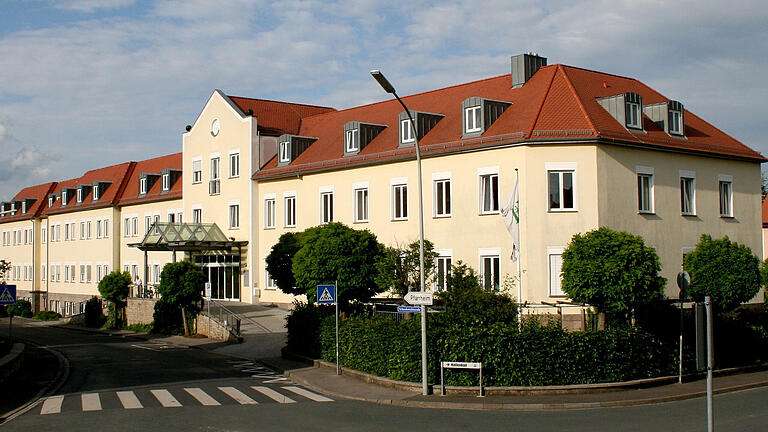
column 7, row 294
column 326, row 294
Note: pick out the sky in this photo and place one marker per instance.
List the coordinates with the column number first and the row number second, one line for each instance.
column 90, row 83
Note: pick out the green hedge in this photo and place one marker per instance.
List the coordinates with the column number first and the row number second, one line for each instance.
column 539, row 355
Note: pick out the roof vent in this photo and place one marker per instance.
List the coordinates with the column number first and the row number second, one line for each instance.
column 524, row 66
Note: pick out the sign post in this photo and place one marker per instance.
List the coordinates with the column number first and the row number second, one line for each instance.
column 683, row 282
column 460, row 365
column 8, row 297
column 705, row 355
column 208, row 302
column 327, row 294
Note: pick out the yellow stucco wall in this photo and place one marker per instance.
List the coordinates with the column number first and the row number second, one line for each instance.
column 236, row 134
column 22, row 253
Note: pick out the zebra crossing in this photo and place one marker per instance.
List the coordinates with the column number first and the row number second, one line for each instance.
column 179, row 397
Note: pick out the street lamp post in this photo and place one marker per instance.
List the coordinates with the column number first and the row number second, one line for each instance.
column 390, row 89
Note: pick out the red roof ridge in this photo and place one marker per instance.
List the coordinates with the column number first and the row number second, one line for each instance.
column 541, row 105
column 124, row 183
column 597, row 72
column 578, row 99
column 280, row 102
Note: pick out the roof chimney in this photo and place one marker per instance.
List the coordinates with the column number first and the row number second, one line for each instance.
column 524, row 66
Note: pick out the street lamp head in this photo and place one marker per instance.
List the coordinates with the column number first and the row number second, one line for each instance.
column 382, row 81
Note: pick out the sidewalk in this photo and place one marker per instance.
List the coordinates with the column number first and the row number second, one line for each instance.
column 326, row 381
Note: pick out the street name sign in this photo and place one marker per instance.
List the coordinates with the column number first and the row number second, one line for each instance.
column 326, row 294
column 461, row 365
column 208, row 289
column 414, row 309
column 420, row 298
column 7, row 294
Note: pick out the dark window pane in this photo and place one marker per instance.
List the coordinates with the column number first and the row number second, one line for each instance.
column 568, row 190
column 554, row 190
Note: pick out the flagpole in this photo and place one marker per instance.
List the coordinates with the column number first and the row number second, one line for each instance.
column 519, row 258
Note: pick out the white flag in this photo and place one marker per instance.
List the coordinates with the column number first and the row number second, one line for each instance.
column 511, row 213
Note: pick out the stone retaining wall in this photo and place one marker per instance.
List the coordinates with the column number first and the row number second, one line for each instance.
column 140, row 310
column 218, row 330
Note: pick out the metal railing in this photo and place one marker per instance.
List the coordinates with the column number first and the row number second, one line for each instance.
column 216, row 311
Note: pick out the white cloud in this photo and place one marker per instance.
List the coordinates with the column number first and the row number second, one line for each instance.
column 91, row 5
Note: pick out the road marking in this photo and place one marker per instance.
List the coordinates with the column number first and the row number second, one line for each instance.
column 237, row 395
column 202, row 397
column 91, row 402
column 52, row 405
column 278, row 397
column 165, row 398
column 308, row 394
column 129, row 400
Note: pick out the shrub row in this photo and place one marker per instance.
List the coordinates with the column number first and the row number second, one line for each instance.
column 537, row 355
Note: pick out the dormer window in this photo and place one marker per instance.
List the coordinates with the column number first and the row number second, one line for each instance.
column 675, row 122
column 142, row 186
column 352, row 140
column 285, row 152
column 79, row 195
column 669, row 116
column 633, row 115
column 63, row 198
column 358, row 134
column 472, row 120
column 166, row 181
column 406, row 132
column 50, row 201
column 23, row 207
column 96, row 190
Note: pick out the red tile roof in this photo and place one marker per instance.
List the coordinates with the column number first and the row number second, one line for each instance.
column 152, row 166
column 39, row 193
column 274, row 117
column 765, row 213
column 558, row 102
column 116, row 174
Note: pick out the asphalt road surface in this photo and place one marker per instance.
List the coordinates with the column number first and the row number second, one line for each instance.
column 129, row 384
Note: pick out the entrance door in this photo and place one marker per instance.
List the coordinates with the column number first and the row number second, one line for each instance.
column 223, row 272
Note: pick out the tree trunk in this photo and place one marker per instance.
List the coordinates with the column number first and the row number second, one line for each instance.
column 184, row 321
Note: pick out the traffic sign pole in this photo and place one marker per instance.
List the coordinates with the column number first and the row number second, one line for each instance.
column 683, row 281
column 336, row 291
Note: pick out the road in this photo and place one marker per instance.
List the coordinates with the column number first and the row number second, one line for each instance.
column 130, row 384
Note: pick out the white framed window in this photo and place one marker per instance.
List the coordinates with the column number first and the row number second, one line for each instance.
column 490, row 269
column 326, row 206
column 400, row 202
column 105, row 232
column 88, row 229
column 489, row 193
column 406, row 131
column 50, row 201
column 351, row 140
column 725, row 183
column 82, row 273
column 285, row 151
column 88, row 273
column 234, row 216
column 645, row 202
column 443, row 263
column 98, row 228
column 126, row 227
column 561, row 179
column 361, row 204
column 82, row 230
column 234, row 165
column 269, row 212
column 197, row 170
column 156, row 273
column 96, row 192
column 289, row 206
column 142, row 185
column 147, row 223
column 633, row 115
column 58, row 233
column 43, row 235
column 688, row 193
column 135, row 226
column 171, row 217
column 269, row 283
column 166, row 182
column 555, row 266
column 42, row 272
column 98, row 273
column 197, row 215
column 442, row 197
column 472, row 121
column 79, row 195
column 675, row 122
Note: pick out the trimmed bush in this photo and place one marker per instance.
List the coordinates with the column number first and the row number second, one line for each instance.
column 94, row 316
column 303, row 325
column 22, row 308
column 47, row 316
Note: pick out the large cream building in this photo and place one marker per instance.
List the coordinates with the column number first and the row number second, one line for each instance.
column 586, row 149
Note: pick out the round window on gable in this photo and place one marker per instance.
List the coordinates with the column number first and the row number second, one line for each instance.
column 215, row 127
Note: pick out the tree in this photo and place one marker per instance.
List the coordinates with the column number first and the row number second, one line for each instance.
column 180, row 289
column 398, row 268
column 334, row 252
column 729, row 273
column 114, row 287
column 5, row 267
column 462, row 278
column 280, row 262
column 613, row 271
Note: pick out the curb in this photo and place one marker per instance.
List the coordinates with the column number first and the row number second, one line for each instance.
column 12, row 361
column 481, row 406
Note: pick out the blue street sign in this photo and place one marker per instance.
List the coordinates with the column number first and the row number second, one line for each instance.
column 326, row 294
column 7, row 294
column 415, row 309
